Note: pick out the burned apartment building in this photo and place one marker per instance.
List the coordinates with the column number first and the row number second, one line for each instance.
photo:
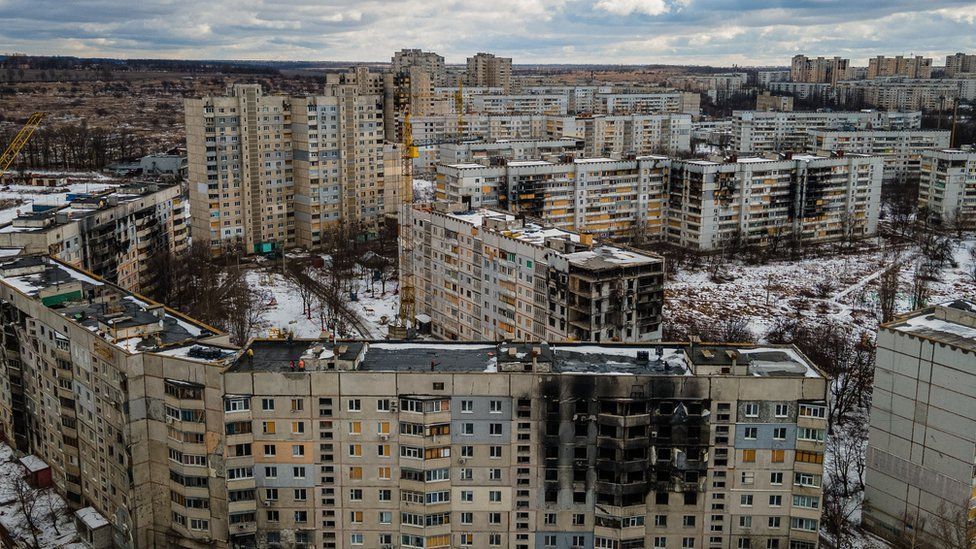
column 486, row 274
column 180, row 441
column 115, row 233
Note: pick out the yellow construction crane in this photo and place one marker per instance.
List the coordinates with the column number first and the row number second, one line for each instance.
column 24, row 135
column 401, row 327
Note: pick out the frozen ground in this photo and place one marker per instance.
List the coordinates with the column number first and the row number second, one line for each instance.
column 762, row 294
column 283, row 306
column 55, row 524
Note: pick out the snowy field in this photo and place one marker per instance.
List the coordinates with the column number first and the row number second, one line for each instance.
column 762, row 294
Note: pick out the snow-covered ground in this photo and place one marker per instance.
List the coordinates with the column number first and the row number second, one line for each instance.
column 423, row 190
column 51, row 196
column 283, row 306
column 54, row 522
column 763, row 294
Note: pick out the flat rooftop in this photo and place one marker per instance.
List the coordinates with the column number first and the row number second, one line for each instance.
column 953, row 322
column 608, row 257
column 666, row 359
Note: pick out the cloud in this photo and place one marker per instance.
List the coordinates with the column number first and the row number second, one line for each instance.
column 627, row 7
column 716, row 32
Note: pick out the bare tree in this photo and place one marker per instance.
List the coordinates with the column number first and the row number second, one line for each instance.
column 920, row 286
column 888, row 285
column 953, row 528
column 971, row 269
column 243, row 306
column 28, row 500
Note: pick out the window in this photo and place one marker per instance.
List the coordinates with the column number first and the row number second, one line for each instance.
column 779, row 456
column 687, row 543
column 745, row 521
column 383, row 450
column 752, row 409
column 774, row 522
column 199, row 524
column 806, row 479
column 751, row 433
column 812, row 410
column 744, row 543
column 385, row 517
column 776, row 478
column 806, row 502
column 354, row 405
column 297, row 404
column 660, row 542
column 494, row 518
column 355, row 517
column 467, row 429
column 272, row 516
column 745, row 500
column 494, row 474
column 355, row 494
column 268, row 427
column 467, row 406
column 467, row 451
column 355, row 450
column 798, row 523
column 661, row 521
column 466, row 473
column 383, row 405
column 271, row 471
column 749, row 456
column 467, row 496
column 355, row 428
column 467, row 518
column 354, row 539
column 385, row 495
column 688, row 520
column 779, row 433
column 237, row 404
column 495, row 429
column 301, row 494
column 495, row 452
column 298, row 472
column 301, row 516
column 809, row 457
column 495, row 407
column 270, row 449
column 782, row 410
column 383, row 427
column 806, row 433
column 776, row 501
column 356, row 473
column 297, row 450
column 495, row 496
column 297, row 427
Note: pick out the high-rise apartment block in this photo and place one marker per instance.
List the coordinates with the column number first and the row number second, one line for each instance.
column 960, row 65
column 919, row 483
column 899, row 93
column 819, row 70
column 116, row 234
column 647, row 103
column 762, row 202
column 947, row 186
column 909, row 67
column 426, row 61
column 901, row 149
column 774, row 103
column 763, row 132
column 485, row 69
column 487, row 275
column 272, row 171
column 177, row 440
column 619, row 136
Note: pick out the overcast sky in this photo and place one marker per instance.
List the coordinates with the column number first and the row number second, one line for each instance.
column 708, row 32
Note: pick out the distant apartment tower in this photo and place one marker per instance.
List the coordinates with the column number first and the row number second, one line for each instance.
column 485, row 274
column 909, row 67
column 919, row 479
column 485, row 69
column 762, row 132
column 947, row 186
column 275, row 171
column 901, row 149
column 426, row 61
column 825, row 70
column 647, row 102
column 762, row 202
column 117, row 234
column 768, row 102
column 618, row 136
column 960, row 65
column 492, row 152
column 557, row 104
column 899, row 93
column 765, row 78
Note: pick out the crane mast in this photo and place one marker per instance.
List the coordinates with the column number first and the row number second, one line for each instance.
column 19, row 140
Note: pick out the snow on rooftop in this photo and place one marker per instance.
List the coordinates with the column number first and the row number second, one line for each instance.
column 478, row 217
column 92, row 518
column 934, row 326
column 33, row 463
column 517, row 163
column 610, row 254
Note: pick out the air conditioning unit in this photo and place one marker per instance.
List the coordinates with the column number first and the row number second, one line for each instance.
column 266, row 503
column 384, row 436
column 462, row 461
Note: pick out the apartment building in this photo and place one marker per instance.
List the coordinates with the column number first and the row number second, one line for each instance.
column 901, row 149
column 427, row 61
column 774, row 103
column 947, row 185
column 762, row 202
column 487, row 274
column 520, row 104
column 647, row 102
column 803, row 90
column 897, row 93
column 485, row 69
column 619, row 136
column 919, row 483
column 93, row 383
column 431, row 130
column 612, row 199
column 115, row 233
column 765, row 78
column 819, row 70
column 488, row 152
column 909, row 67
column 177, row 440
column 960, row 65
column 274, row 171
column 718, row 87
column 763, row 132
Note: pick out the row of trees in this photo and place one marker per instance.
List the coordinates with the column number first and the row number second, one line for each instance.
column 76, row 147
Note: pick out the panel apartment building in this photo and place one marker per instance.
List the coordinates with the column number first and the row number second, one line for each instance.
column 901, row 149
column 274, row 171
column 819, row 69
column 759, row 132
column 611, row 199
column 178, row 441
column 485, row 69
column 763, row 202
column 947, row 187
column 909, row 67
column 487, row 275
column 115, row 233
column 635, row 135
column 919, row 483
